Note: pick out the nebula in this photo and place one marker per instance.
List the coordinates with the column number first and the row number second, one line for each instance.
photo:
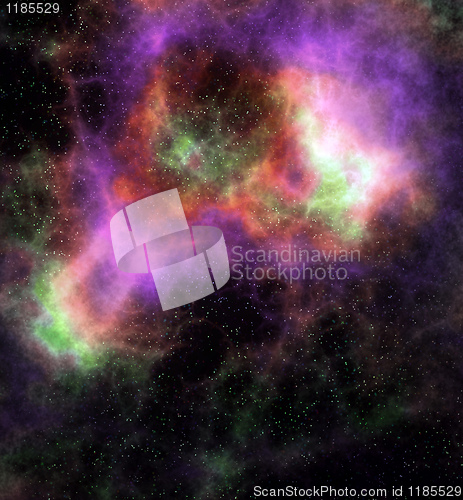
column 333, row 127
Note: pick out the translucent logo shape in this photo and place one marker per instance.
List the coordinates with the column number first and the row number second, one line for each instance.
column 152, row 235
